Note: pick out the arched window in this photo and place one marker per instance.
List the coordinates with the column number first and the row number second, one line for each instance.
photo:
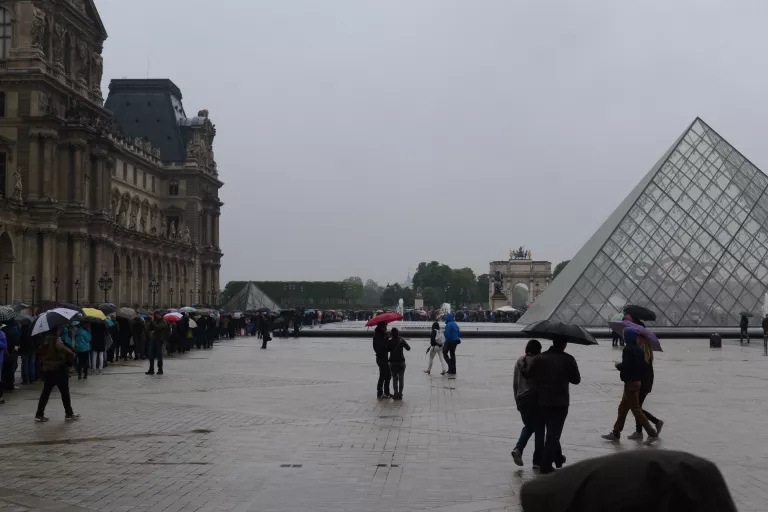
column 6, row 32
column 173, row 188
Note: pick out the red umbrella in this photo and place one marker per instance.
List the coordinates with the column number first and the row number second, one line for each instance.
column 173, row 317
column 384, row 317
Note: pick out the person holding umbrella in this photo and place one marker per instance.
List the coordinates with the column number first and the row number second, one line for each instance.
column 381, row 349
column 744, row 328
column 56, row 356
column 551, row 373
column 631, row 369
column 526, row 399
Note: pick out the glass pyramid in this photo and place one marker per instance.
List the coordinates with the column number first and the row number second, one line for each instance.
column 689, row 242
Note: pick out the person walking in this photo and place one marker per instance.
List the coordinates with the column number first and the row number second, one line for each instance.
column 526, row 400
column 631, row 369
column 159, row 331
column 765, row 333
column 436, row 342
column 56, row 356
column 82, row 351
column 552, row 373
column 744, row 329
column 646, row 385
column 397, row 362
column 452, row 340
column 264, row 329
column 381, row 349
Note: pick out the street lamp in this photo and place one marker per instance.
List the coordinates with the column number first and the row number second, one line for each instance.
column 6, row 277
column 153, row 287
column 105, row 284
column 33, row 282
column 56, row 288
column 77, row 292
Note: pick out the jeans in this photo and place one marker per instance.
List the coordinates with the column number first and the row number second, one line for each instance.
column 630, row 401
column 83, row 362
column 449, row 352
column 435, row 351
column 155, row 352
column 28, row 373
column 398, row 377
column 382, row 388
column 532, row 426
column 553, row 419
column 97, row 360
column 60, row 379
column 653, row 419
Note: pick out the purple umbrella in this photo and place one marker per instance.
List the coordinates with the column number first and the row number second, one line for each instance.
column 618, row 328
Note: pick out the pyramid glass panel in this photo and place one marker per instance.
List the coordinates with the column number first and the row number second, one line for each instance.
column 690, row 242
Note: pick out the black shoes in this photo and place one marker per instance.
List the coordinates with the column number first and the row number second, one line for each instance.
column 150, row 372
column 160, row 371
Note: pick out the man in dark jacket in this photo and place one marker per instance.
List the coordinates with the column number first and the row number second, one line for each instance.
column 139, row 343
column 744, row 329
column 632, row 370
column 765, row 332
column 158, row 332
column 381, row 349
column 551, row 373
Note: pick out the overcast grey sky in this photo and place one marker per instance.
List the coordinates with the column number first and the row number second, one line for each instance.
column 359, row 137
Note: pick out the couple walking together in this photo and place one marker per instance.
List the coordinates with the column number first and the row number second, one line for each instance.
column 444, row 345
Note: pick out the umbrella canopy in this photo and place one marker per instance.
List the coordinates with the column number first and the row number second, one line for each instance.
column 93, row 315
column 263, row 310
column 640, row 313
column 107, row 308
column 7, row 313
column 550, row 330
column 24, row 319
column 506, row 309
column 618, row 317
column 384, row 317
column 52, row 319
column 618, row 328
column 19, row 306
column 173, row 317
column 422, row 313
column 746, row 314
column 127, row 313
column 187, row 309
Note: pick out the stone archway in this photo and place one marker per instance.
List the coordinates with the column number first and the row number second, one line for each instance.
column 520, row 295
column 7, row 265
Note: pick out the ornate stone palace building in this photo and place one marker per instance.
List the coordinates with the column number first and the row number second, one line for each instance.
column 126, row 190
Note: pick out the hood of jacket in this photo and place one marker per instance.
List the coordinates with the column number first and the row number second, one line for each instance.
column 449, row 317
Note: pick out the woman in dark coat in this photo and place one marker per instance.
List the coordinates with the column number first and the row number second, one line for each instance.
column 98, row 345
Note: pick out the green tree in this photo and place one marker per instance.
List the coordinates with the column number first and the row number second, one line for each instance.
column 393, row 293
column 481, row 290
column 371, row 294
column 559, row 268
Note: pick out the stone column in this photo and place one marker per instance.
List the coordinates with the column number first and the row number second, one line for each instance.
column 45, row 282
column 18, row 269
column 30, row 265
column 79, row 171
column 34, row 165
column 50, row 172
column 97, row 266
column 99, row 179
column 216, row 217
column 77, row 274
column 63, row 267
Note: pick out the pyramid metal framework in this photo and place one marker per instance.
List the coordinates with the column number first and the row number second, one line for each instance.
column 689, row 242
column 250, row 298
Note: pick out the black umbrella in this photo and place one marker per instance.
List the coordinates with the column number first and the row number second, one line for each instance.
column 107, row 308
column 746, row 314
column 263, row 310
column 53, row 305
column 640, row 313
column 25, row 319
column 550, row 330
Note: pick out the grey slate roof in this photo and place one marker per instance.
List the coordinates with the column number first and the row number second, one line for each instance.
column 150, row 109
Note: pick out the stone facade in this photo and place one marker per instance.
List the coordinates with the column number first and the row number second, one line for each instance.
column 531, row 277
column 81, row 198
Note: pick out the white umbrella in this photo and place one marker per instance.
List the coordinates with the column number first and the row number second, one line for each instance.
column 506, row 309
column 187, row 309
column 52, row 319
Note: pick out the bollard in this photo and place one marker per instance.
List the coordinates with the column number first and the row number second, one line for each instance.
column 715, row 341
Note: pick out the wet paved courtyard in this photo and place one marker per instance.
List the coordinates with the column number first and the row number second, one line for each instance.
column 298, row 427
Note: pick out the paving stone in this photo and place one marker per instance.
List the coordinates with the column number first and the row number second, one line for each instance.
column 298, row 427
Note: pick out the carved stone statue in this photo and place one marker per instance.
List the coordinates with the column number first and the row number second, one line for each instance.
column 134, row 216
column 58, row 43
column 187, row 235
column 115, row 205
column 38, row 28
column 163, row 229
column 143, row 224
column 121, row 218
column 172, row 234
column 17, row 187
column 498, row 283
column 82, row 60
column 97, row 69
